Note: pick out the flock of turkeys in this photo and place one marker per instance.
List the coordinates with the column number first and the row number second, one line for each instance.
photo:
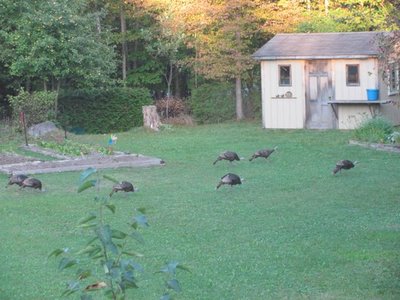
column 228, row 179
column 233, row 179
column 25, row 181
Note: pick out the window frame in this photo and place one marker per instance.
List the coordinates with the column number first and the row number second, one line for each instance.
column 280, row 75
column 348, row 83
column 394, row 85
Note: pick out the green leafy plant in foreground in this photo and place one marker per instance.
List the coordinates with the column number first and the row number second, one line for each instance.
column 110, row 249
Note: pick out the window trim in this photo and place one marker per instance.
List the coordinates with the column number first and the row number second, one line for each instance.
column 347, row 75
column 290, row 75
column 396, row 90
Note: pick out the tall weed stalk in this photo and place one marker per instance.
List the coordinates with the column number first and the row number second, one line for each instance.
column 110, row 249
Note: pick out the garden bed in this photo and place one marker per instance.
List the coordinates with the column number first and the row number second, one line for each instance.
column 17, row 164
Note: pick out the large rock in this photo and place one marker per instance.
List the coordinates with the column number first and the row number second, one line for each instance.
column 41, row 129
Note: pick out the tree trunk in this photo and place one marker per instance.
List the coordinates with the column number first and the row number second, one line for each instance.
column 150, row 117
column 168, row 78
column 98, row 24
column 135, row 50
column 123, row 43
column 238, row 92
column 195, row 64
column 309, row 5
column 178, row 92
column 239, row 99
column 169, row 82
column 326, row 4
column 97, row 12
column 56, row 100
column 28, row 85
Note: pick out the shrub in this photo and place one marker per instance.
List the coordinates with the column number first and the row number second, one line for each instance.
column 374, row 130
column 213, row 103
column 182, row 119
column 37, row 106
column 8, row 132
column 252, row 102
column 103, row 110
column 171, row 107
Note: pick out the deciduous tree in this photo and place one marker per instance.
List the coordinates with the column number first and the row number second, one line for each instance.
column 54, row 42
column 223, row 53
column 345, row 15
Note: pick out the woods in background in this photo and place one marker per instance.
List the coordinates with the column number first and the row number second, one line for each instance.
column 171, row 48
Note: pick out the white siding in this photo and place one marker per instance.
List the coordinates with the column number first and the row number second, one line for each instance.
column 351, row 116
column 282, row 112
column 291, row 112
column 368, row 78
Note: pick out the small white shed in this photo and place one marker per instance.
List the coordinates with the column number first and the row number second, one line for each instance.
column 320, row 81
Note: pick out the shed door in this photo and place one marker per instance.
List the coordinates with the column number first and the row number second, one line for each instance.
column 319, row 114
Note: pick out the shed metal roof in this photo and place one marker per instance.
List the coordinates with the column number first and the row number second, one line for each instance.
column 320, row 46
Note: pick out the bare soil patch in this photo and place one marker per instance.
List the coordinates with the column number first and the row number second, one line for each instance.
column 17, row 164
column 11, row 158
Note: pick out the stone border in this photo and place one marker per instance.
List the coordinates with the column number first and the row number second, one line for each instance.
column 80, row 164
column 377, row 146
column 66, row 163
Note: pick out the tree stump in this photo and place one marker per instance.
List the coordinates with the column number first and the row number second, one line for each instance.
column 151, row 118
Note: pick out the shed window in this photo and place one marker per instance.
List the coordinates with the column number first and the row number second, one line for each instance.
column 285, row 75
column 394, row 79
column 352, row 75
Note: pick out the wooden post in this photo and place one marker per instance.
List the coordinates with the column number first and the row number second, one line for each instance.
column 22, row 119
column 151, row 118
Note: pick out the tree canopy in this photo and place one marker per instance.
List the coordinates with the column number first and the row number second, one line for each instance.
column 55, row 41
column 169, row 47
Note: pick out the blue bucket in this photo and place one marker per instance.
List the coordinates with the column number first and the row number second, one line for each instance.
column 372, row 94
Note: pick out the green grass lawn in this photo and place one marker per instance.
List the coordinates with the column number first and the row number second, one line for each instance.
column 292, row 230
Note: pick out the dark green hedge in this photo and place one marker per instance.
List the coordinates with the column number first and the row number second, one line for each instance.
column 103, row 110
column 213, row 103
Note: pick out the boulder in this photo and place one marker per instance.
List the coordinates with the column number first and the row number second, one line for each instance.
column 41, row 129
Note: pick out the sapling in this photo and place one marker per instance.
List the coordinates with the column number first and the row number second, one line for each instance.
column 109, row 249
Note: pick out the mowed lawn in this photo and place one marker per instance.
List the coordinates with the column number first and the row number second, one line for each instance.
column 292, row 230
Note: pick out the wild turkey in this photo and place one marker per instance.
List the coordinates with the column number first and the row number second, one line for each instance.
column 263, row 153
column 123, row 186
column 32, row 183
column 230, row 179
column 17, row 179
column 344, row 164
column 227, row 155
